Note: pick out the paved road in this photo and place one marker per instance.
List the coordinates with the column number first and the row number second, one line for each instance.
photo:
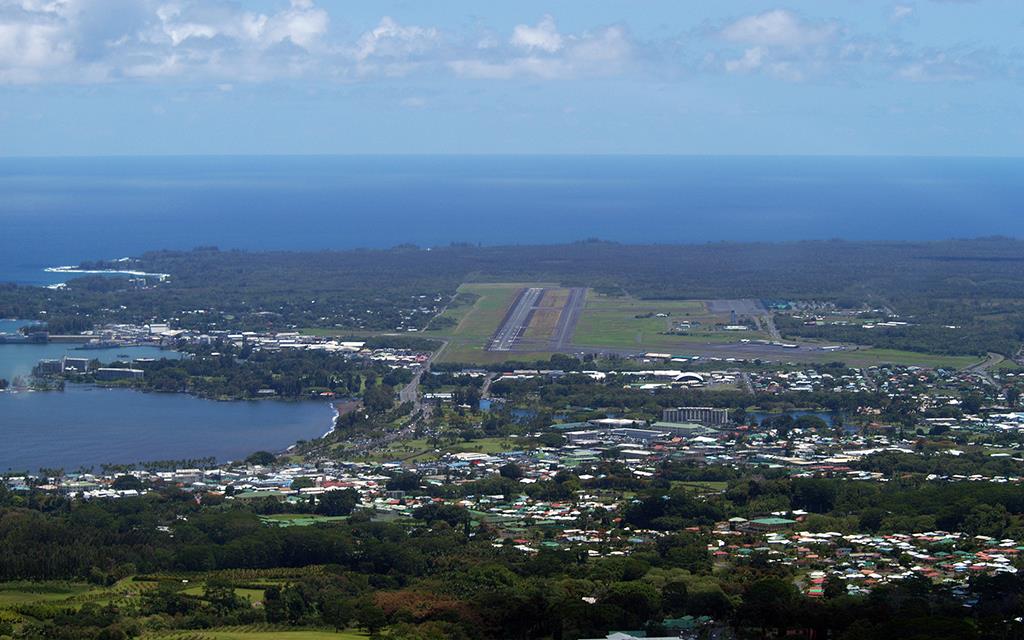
column 982, row 368
column 562, row 338
column 411, row 391
column 485, row 391
column 773, row 331
column 516, row 320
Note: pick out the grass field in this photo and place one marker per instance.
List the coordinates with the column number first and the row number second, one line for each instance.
column 545, row 318
column 872, row 357
column 701, row 486
column 614, row 323
column 252, row 595
column 17, row 593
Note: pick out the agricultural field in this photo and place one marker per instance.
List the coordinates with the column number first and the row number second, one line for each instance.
column 645, row 325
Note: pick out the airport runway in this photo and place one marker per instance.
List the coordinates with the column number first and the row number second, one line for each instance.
column 562, row 338
column 516, row 320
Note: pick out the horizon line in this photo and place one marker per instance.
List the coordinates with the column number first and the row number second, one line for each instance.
column 892, row 156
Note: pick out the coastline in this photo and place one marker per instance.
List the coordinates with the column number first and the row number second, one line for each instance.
column 334, row 420
column 74, row 269
column 334, row 426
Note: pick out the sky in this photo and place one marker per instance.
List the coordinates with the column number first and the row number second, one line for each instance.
column 734, row 77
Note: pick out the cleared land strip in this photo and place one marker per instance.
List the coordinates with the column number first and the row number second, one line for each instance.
column 516, row 320
column 566, row 327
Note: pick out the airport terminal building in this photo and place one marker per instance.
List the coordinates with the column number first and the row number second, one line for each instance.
column 702, row 415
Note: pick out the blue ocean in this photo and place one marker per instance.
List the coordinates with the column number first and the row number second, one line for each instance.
column 61, row 211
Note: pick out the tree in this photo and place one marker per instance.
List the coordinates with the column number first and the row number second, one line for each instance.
column 510, row 470
column 638, row 601
column 336, row 610
column 273, row 605
column 124, row 483
column 768, row 603
column 379, row 399
column 369, row 616
column 971, row 403
column 261, row 458
column 338, row 502
column 221, row 596
column 406, row 481
column 674, row 597
column 450, row 513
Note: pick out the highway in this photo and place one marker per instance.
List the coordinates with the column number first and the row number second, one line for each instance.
column 516, row 320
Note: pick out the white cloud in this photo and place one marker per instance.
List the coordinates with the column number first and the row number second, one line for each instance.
column 604, row 52
column 781, row 44
column 751, row 60
column 945, row 66
column 34, row 40
column 227, row 42
column 301, row 24
column 544, row 36
column 901, row 12
column 778, row 28
column 392, row 40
